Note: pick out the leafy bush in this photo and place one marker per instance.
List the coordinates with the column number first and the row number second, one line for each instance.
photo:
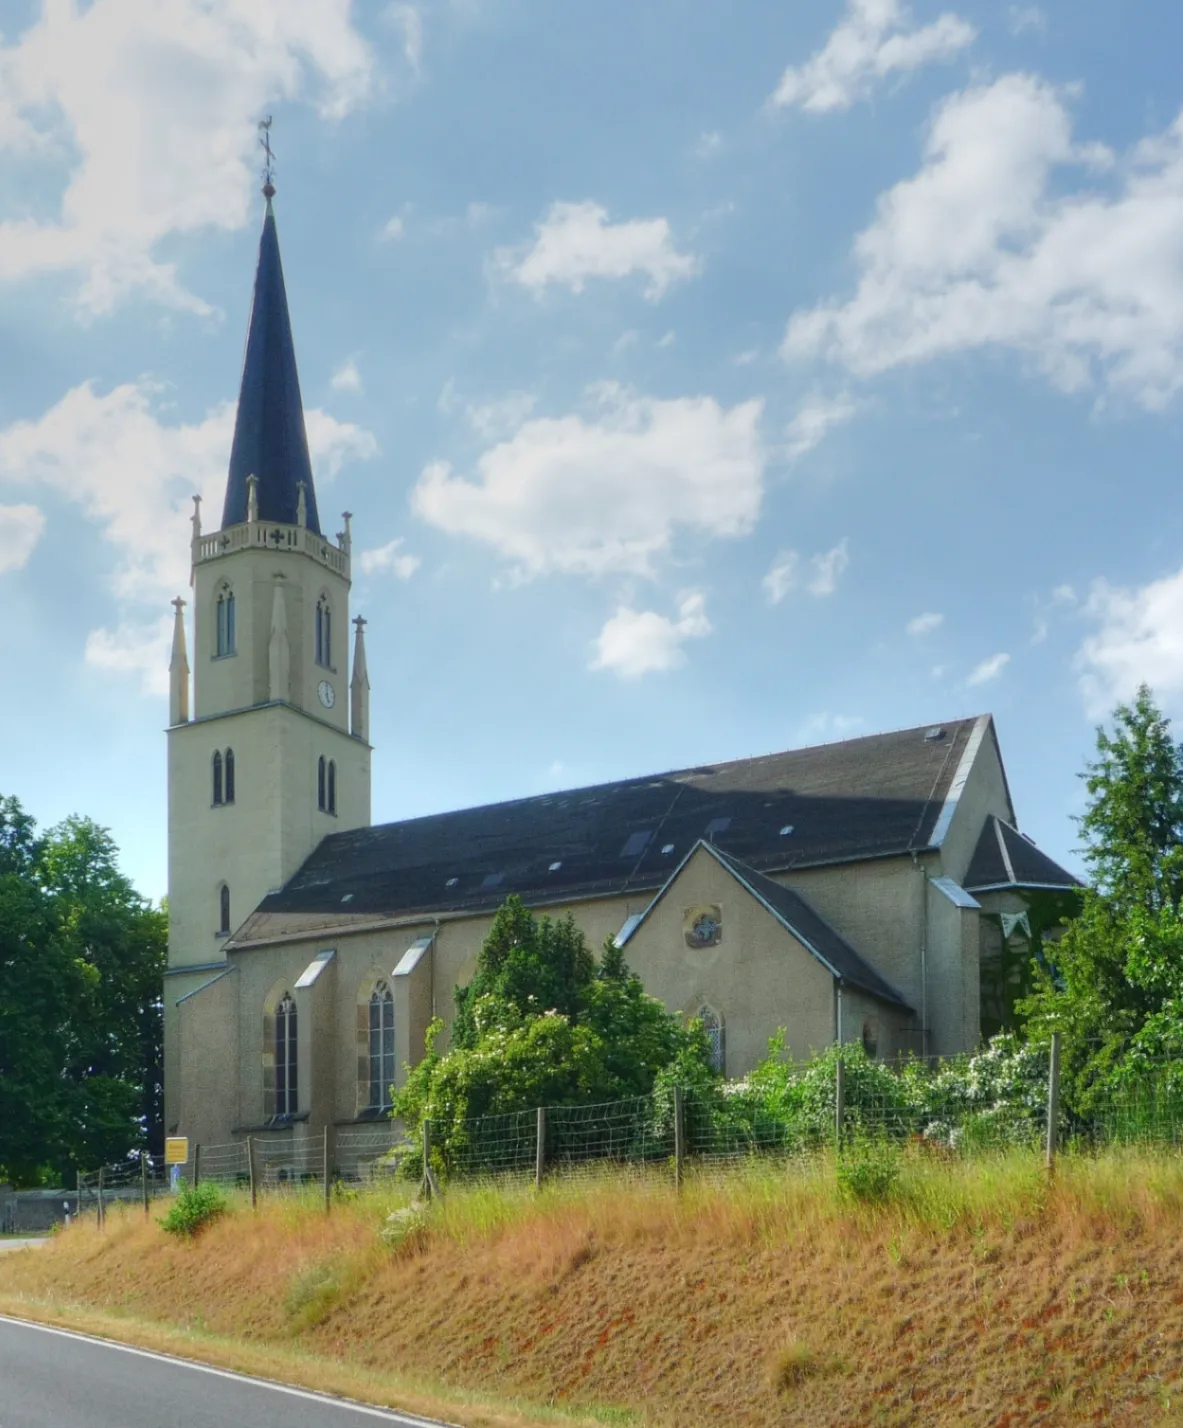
column 195, row 1207
column 869, row 1171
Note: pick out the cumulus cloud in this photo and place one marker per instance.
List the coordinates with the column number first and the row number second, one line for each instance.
column 21, row 527
column 989, row 245
column 393, row 229
column 139, row 648
column 988, row 670
column 926, row 623
column 633, row 643
column 604, row 493
column 347, row 378
column 149, row 111
column 408, row 20
column 1138, row 639
column 1027, row 17
column 133, row 473
column 816, row 417
column 389, row 558
column 818, row 575
column 576, row 241
column 873, row 40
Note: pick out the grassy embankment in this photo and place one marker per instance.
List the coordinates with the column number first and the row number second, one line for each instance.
column 978, row 1294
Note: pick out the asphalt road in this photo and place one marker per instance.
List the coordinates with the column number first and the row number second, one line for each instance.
column 53, row 1379
column 34, row 1243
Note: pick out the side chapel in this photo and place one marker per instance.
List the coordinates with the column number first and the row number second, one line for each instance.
column 857, row 891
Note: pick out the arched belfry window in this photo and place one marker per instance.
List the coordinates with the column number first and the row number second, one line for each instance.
column 321, row 780
column 224, row 910
column 219, row 786
column 287, row 1100
column 712, row 1024
column 331, row 801
column 226, row 633
column 228, row 777
column 380, row 1061
column 324, row 633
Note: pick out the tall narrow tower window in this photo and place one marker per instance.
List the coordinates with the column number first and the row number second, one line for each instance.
column 381, row 1057
column 324, row 633
column 226, row 642
column 224, row 910
column 320, row 783
column 217, row 772
column 286, row 1050
column 332, row 792
column 228, row 780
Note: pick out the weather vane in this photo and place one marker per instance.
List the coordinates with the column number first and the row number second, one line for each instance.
column 269, row 160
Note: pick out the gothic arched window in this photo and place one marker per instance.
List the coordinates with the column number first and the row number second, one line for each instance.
column 324, row 633
column 286, row 1056
column 380, row 1061
column 712, row 1024
column 226, row 634
column 331, row 802
column 217, row 772
column 321, row 802
column 224, row 909
column 228, row 782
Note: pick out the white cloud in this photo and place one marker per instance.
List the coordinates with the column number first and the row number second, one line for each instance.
column 1138, row 640
column 709, row 142
column 816, row 417
column 500, row 416
column 150, row 111
column 986, row 247
column 926, row 623
column 872, row 42
column 389, row 557
column 346, row 378
column 589, row 497
column 667, row 339
column 576, row 242
column 133, row 475
column 393, row 229
column 988, row 670
column 1027, row 17
column 408, row 19
column 829, row 727
column 21, row 527
column 633, row 643
column 781, row 579
column 821, row 577
column 135, row 647
column 827, row 568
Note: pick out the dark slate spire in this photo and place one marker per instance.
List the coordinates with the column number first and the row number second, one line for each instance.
column 269, row 437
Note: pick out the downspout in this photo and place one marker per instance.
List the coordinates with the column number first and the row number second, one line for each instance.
column 923, row 955
column 838, row 1012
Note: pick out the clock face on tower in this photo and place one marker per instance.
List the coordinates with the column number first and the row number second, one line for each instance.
column 327, row 694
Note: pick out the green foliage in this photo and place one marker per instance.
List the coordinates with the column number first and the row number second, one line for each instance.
column 542, row 1024
column 869, row 1171
column 81, row 959
column 195, row 1207
column 1115, row 986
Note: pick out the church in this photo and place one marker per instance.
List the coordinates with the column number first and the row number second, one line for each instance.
column 852, row 892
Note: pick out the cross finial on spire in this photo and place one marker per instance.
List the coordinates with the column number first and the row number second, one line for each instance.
column 269, row 160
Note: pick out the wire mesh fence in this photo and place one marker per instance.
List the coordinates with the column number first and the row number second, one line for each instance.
column 831, row 1106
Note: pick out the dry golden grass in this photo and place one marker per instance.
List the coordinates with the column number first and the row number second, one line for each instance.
column 979, row 1294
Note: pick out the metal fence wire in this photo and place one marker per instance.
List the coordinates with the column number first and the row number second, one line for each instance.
column 961, row 1108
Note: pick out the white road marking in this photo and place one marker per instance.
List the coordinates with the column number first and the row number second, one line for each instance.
column 387, row 1415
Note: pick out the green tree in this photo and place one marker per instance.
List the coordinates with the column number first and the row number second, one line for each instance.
column 542, row 1024
column 1114, row 983
column 81, row 961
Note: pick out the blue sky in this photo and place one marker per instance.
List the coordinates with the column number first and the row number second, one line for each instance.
column 704, row 380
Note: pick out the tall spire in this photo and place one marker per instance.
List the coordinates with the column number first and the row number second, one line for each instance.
column 269, row 437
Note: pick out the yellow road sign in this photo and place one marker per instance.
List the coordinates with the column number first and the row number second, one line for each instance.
column 176, row 1150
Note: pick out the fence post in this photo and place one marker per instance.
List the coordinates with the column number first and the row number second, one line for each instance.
column 839, row 1102
column 78, row 1194
column 328, row 1179
column 426, row 1158
column 1053, row 1101
column 102, row 1212
column 250, row 1166
column 679, row 1139
column 540, row 1148
column 196, row 1165
column 144, row 1182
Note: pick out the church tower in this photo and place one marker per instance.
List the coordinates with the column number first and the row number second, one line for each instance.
column 272, row 753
